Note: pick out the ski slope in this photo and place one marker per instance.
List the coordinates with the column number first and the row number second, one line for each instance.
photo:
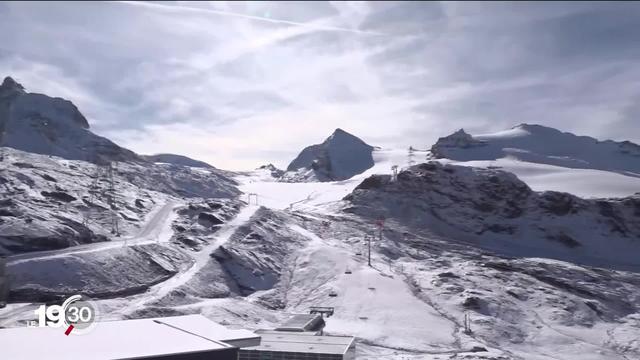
column 311, row 195
column 372, row 303
column 586, row 183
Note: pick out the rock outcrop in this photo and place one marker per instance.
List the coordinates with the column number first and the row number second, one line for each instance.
column 494, row 209
column 41, row 124
column 177, row 160
column 340, row 157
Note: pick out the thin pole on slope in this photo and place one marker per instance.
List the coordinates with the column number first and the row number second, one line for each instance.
column 410, row 156
column 380, row 224
column 467, row 324
column 2, row 136
column 369, row 243
column 112, row 202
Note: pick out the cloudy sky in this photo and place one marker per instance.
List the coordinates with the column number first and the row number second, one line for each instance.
column 242, row 84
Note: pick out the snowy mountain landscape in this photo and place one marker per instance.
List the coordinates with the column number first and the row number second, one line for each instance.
column 544, row 145
column 493, row 227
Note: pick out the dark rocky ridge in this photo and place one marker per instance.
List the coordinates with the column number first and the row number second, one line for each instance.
column 495, row 209
column 177, row 160
column 41, row 124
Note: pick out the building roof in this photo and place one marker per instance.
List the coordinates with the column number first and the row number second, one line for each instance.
column 212, row 330
column 123, row 339
column 284, row 341
column 303, row 322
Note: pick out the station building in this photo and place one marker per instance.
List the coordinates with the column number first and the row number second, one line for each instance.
column 300, row 338
column 189, row 337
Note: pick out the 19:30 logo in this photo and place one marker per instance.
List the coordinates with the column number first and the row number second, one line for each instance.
column 78, row 315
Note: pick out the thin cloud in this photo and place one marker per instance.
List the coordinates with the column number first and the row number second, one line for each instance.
column 238, row 90
column 312, row 25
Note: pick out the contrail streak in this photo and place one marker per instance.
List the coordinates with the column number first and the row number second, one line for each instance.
column 245, row 16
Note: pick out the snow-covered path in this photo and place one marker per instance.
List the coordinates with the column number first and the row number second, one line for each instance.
column 201, row 258
column 156, row 229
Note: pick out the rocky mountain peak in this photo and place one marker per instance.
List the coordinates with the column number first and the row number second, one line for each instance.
column 340, row 135
column 459, row 139
column 341, row 156
column 10, row 86
column 268, row 167
column 272, row 169
column 41, row 124
column 460, row 133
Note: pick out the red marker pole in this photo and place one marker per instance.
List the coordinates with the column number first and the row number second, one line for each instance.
column 68, row 330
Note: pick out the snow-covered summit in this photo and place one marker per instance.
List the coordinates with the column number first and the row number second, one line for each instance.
column 541, row 144
column 41, row 124
column 339, row 157
column 459, row 139
column 177, row 160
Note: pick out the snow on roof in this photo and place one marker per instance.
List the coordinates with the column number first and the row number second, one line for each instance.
column 301, row 322
column 212, row 330
column 282, row 341
column 122, row 339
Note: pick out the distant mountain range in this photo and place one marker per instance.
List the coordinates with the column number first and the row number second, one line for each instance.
column 544, row 145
